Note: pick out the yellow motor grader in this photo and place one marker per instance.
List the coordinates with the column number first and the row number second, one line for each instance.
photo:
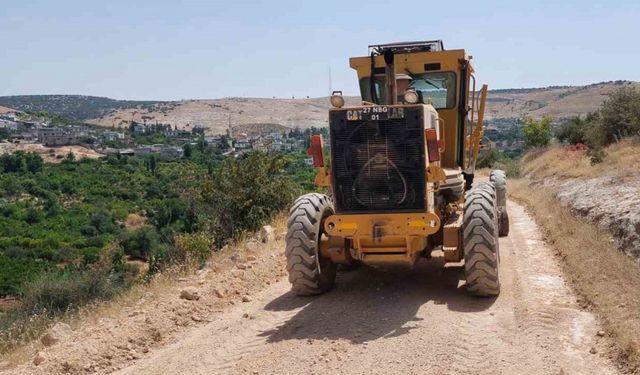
column 400, row 178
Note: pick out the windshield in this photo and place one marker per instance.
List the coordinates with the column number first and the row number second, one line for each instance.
column 436, row 88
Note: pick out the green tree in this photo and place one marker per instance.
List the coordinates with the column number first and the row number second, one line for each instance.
column 4, row 134
column 33, row 162
column 140, row 243
column 245, row 192
column 573, row 131
column 201, row 144
column 537, row 133
column 13, row 162
column 33, row 216
column 188, row 150
column 620, row 115
column 488, row 158
column 152, row 164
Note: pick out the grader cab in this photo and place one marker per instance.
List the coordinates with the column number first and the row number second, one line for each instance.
column 401, row 175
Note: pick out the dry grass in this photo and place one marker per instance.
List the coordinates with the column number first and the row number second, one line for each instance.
column 7, row 109
column 483, row 172
column 607, row 280
column 134, row 221
column 622, row 160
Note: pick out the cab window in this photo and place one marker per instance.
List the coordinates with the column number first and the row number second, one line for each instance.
column 436, row 88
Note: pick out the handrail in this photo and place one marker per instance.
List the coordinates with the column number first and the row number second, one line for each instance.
column 479, row 131
column 442, row 132
column 473, row 99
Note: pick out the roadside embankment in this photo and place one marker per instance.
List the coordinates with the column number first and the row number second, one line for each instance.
column 589, row 215
column 108, row 336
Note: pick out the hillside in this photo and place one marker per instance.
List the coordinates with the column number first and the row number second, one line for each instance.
column 6, row 109
column 216, row 114
column 557, row 101
column 74, row 107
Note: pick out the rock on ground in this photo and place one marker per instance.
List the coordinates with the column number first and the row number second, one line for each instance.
column 58, row 332
column 267, row 234
column 38, row 359
column 190, row 294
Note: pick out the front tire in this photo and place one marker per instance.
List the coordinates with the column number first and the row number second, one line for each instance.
column 480, row 241
column 309, row 272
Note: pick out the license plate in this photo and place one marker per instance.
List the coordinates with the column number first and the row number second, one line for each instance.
column 375, row 113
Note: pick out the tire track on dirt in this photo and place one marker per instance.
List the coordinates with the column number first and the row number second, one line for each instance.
column 245, row 339
column 547, row 313
column 403, row 322
column 237, row 334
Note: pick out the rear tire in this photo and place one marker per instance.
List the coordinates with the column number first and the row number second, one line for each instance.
column 499, row 180
column 309, row 273
column 480, row 241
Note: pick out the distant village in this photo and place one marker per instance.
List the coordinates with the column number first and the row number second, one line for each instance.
column 19, row 128
column 167, row 141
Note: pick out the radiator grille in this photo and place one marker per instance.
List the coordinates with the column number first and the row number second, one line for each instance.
column 378, row 165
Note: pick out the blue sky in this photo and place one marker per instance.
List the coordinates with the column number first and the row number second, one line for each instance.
column 209, row 49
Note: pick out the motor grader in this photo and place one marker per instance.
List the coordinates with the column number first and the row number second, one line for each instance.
column 400, row 179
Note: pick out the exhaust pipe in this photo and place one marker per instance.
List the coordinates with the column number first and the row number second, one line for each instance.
column 390, row 71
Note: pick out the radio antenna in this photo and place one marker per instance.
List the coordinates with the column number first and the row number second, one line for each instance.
column 330, row 84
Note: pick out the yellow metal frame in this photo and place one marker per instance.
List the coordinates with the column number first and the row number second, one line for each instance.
column 384, row 238
column 323, row 177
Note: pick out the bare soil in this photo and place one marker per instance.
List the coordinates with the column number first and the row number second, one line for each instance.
column 416, row 321
column 50, row 154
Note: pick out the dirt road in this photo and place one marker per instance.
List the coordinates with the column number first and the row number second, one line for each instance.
column 417, row 322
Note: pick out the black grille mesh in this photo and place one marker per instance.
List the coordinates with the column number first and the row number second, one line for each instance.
column 378, row 165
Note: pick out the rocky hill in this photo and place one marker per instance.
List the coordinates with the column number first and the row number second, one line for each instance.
column 6, row 109
column 74, row 107
column 217, row 114
column 556, row 101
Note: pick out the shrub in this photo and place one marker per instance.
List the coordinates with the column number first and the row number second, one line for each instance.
column 103, row 222
column 32, row 216
column 162, row 255
column 51, row 205
column 537, row 133
column 245, row 193
column 70, row 157
column 620, row 115
column 196, row 246
column 574, row 131
column 11, row 186
column 487, row 158
column 14, row 272
column 13, row 162
column 596, row 155
column 165, row 212
column 509, row 166
column 58, row 292
column 88, row 230
column 139, row 243
column 67, row 187
column 33, row 162
column 187, row 150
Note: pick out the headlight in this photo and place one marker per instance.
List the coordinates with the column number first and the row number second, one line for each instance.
column 411, row 97
column 337, row 101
